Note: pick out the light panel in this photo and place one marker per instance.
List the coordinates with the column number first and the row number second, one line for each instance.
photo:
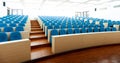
column 78, row 1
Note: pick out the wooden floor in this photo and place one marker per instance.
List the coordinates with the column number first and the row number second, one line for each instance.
column 103, row 54
column 41, row 51
column 40, row 47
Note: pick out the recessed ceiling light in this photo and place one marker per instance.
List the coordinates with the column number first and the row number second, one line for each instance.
column 78, row 1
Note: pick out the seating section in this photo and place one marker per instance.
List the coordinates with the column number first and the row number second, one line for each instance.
column 72, row 25
column 12, row 23
column 11, row 27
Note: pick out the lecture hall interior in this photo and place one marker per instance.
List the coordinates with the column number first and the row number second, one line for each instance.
column 59, row 31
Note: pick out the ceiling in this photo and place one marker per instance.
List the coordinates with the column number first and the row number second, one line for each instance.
column 54, row 3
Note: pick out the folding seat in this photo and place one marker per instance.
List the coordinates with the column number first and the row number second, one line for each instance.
column 77, row 30
column 102, row 29
column 16, row 21
column 56, row 27
column 63, row 26
column 3, row 25
column 108, row 29
column 3, row 37
column 21, row 24
column 8, row 29
column 49, row 27
column 101, row 25
column 1, row 22
column 96, row 29
column 75, row 26
column 70, row 31
column 15, row 36
column 7, row 22
column 12, row 25
column 62, row 31
column 53, row 32
column 90, row 29
column 114, row 29
column 69, row 25
column 19, row 28
column 83, row 30
column 110, row 24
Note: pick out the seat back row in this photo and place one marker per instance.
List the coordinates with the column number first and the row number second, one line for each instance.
column 11, row 29
column 77, row 30
column 9, row 36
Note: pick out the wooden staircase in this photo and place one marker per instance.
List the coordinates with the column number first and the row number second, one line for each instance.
column 40, row 47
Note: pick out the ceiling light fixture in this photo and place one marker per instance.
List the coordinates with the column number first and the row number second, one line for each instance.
column 78, row 1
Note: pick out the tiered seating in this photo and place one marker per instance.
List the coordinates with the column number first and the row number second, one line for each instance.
column 14, row 37
column 65, row 25
column 13, row 23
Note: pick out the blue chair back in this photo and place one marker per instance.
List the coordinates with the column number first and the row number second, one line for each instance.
column 15, row 36
column 114, row 29
column 3, row 37
column 62, row 32
column 77, row 30
column 19, row 29
column 8, row 29
column 70, row 31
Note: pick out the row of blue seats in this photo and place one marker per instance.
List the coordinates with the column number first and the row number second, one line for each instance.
column 79, row 30
column 13, row 36
column 75, row 21
column 12, row 25
column 22, row 19
column 10, row 29
column 12, row 17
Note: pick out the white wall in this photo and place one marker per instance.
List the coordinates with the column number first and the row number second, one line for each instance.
column 3, row 10
column 108, row 13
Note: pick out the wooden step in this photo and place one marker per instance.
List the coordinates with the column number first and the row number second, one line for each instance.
column 39, row 42
column 37, row 37
column 36, row 32
column 40, row 52
column 34, row 23
column 36, row 29
column 35, row 26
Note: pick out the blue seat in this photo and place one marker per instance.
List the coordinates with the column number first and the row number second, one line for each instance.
column 19, row 29
column 21, row 24
column 3, row 37
column 83, row 30
column 90, row 30
column 63, row 26
column 62, row 32
column 96, row 29
column 102, row 29
column 48, row 27
column 113, row 29
column 15, row 36
column 70, row 26
column 53, row 32
column 16, row 21
column 108, row 29
column 12, row 25
column 3, row 25
column 56, row 27
column 75, row 26
column 77, row 30
column 70, row 31
column 8, row 29
column 0, row 30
